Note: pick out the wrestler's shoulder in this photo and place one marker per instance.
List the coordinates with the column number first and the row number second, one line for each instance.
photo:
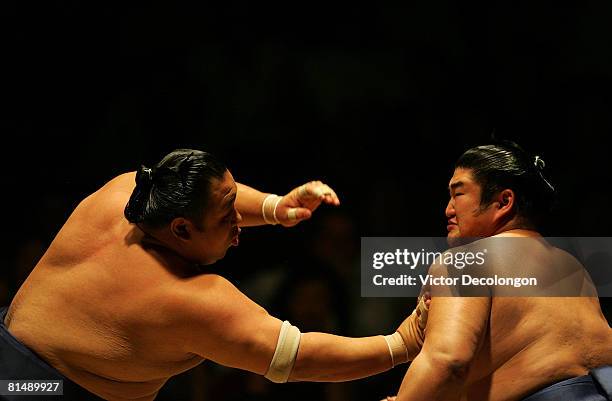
column 118, row 187
column 207, row 287
column 110, row 199
column 205, row 297
column 124, row 181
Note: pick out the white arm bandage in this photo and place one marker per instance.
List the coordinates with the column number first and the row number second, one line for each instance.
column 397, row 349
column 285, row 354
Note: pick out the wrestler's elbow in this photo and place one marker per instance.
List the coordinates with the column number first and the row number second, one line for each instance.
column 453, row 364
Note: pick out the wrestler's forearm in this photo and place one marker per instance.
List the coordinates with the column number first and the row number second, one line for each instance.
column 329, row 358
column 433, row 378
column 248, row 203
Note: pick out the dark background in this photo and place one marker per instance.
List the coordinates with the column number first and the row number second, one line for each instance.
column 376, row 100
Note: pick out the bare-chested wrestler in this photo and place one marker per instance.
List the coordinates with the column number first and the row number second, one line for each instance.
column 121, row 300
column 509, row 348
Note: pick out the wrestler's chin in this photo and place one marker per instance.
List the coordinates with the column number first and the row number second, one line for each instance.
column 214, row 259
column 453, row 238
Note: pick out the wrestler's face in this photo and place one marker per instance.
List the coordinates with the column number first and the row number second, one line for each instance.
column 219, row 229
column 466, row 217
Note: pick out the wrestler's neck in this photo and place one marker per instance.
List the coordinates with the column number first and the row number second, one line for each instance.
column 518, row 232
column 516, row 228
column 164, row 242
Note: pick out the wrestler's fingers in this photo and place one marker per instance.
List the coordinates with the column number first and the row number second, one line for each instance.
column 298, row 214
column 321, row 189
column 301, row 191
column 305, row 191
column 332, row 198
column 326, row 194
column 317, row 189
column 422, row 311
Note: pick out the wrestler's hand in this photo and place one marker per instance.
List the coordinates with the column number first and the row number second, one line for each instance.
column 412, row 329
column 299, row 204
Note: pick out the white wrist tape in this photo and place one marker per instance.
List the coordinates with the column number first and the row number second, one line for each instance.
column 268, row 208
column 285, row 354
column 280, row 198
column 397, row 349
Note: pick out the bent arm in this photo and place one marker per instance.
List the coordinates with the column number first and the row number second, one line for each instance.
column 455, row 329
column 248, row 203
column 288, row 210
column 223, row 325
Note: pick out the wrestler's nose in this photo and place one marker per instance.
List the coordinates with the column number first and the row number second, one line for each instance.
column 450, row 209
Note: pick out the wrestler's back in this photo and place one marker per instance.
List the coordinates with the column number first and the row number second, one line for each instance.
column 534, row 342
column 93, row 307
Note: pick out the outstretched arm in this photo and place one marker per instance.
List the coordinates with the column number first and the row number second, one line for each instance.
column 258, row 208
column 218, row 322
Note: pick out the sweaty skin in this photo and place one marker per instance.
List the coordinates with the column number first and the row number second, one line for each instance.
column 533, row 342
column 119, row 315
column 97, row 305
column 503, row 348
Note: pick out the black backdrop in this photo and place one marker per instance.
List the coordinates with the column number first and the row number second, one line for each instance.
column 376, row 100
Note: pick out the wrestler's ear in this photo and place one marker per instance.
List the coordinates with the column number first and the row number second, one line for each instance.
column 179, row 227
column 505, row 200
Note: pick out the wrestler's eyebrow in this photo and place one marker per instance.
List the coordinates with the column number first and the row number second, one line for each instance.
column 455, row 185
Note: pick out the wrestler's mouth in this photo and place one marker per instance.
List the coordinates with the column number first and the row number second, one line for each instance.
column 450, row 226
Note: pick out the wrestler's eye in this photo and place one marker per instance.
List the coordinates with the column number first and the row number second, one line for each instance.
column 458, row 194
